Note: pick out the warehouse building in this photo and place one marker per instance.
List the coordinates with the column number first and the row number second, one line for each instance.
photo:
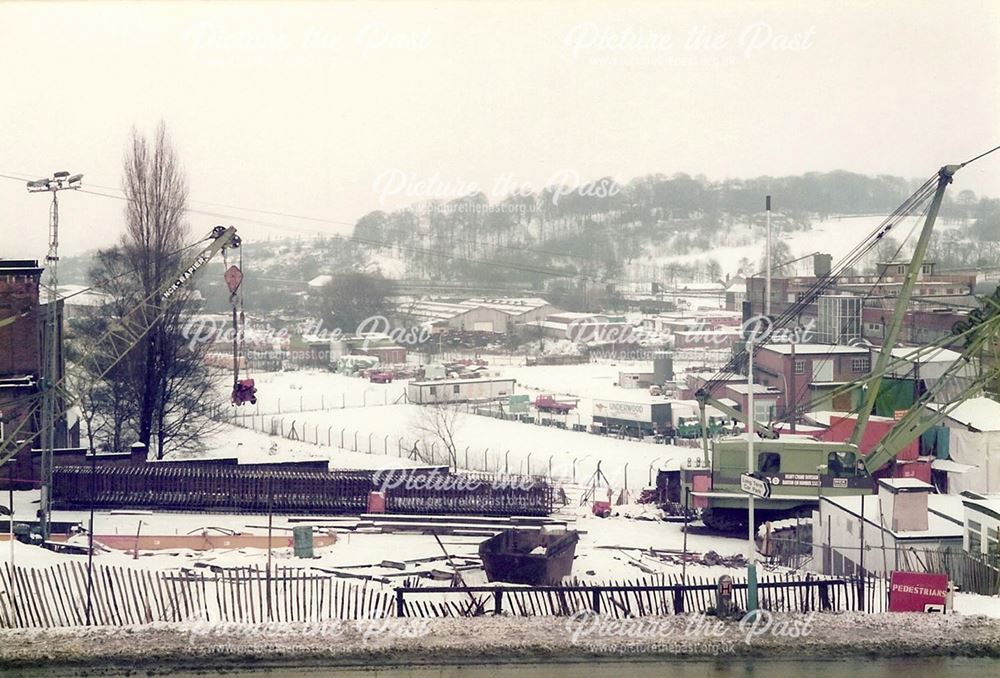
column 496, row 316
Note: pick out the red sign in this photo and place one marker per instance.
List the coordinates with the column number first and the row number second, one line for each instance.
column 914, row 592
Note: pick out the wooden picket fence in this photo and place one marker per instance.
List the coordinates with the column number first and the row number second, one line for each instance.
column 661, row 595
column 119, row 596
column 58, row 595
column 975, row 575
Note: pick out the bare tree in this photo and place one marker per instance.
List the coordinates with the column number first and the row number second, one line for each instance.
column 436, row 424
column 170, row 382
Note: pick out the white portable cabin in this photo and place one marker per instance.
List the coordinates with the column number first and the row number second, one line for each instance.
column 459, row 390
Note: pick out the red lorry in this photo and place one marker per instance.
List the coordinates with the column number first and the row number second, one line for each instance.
column 381, row 377
column 546, row 403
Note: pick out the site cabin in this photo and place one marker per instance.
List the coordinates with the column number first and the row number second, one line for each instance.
column 799, row 469
column 459, row 390
column 635, row 419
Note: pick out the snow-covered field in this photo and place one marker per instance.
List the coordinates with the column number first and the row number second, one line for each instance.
column 483, row 443
column 836, row 236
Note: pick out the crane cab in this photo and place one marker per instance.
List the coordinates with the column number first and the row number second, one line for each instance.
column 799, row 471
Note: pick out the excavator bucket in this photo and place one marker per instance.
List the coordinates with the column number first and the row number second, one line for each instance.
column 244, row 391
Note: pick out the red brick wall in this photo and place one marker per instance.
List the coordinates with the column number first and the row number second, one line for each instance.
column 20, row 352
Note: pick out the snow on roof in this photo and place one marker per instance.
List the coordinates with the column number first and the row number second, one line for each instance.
column 923, row 355
column 989, row 503
column 905, row 484
column 980, row 414
column 814, row 349
column 942, row 523
column 510, row 306
column 76, row 295
column 949, row 466
column 757, row 388
column 473, row 380
column 320, row 280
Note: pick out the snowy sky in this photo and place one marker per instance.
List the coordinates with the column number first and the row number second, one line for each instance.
column 331, row 110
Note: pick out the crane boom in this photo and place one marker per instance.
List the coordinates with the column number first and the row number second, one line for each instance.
column 123, row 335
column 917, row 421
column 945, row 175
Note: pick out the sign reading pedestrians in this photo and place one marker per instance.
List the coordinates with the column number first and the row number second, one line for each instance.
column 755, row 486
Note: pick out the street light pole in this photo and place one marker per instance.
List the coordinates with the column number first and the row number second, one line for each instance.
column 767, row 285
column 59, row 181
column 752, row 536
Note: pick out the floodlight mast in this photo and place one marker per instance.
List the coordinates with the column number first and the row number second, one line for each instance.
column 59, row 181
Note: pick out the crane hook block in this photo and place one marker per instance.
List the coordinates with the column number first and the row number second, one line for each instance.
column 244, row 391
column 234, row 278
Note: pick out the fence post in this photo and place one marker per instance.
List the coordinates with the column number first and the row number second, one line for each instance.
column 595, row 600
column 300, row 404
column 355, row 440
column 279, row 406
column 529, row 463
column 322, row 404
column 466, row 456
column 678, row 600
column 400, row 607
column 342, row 438
column 506, row 464
column 316, row 433
column 399, row 448
column 497, row 601
column 385, row 446
column 329, row 429
column 626, row 477
column 370, row 442
column 343, row 400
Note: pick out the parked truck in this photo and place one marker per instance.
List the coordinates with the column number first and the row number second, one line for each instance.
column 634, row 419
column 548, row 403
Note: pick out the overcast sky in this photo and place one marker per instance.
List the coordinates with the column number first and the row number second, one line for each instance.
column 332, row 110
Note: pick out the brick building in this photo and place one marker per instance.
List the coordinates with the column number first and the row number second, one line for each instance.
column 23, row 329
column 939, row 299
column 807, row 377
column 21, row 325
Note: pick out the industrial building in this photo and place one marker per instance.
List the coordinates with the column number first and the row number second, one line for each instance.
column 934, row 292
column 902, row 519
column 496, row 316
column 23, row 335
column 838, row 319
column 806, row 373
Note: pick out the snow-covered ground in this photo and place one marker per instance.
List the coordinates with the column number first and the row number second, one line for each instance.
column 836, row 236
column 483, row 443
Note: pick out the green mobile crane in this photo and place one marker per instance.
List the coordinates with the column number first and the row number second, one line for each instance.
column 799, row 469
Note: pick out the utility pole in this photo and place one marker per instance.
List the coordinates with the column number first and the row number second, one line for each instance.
column 751, row 434
column 59, row 181
column 767, row 284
